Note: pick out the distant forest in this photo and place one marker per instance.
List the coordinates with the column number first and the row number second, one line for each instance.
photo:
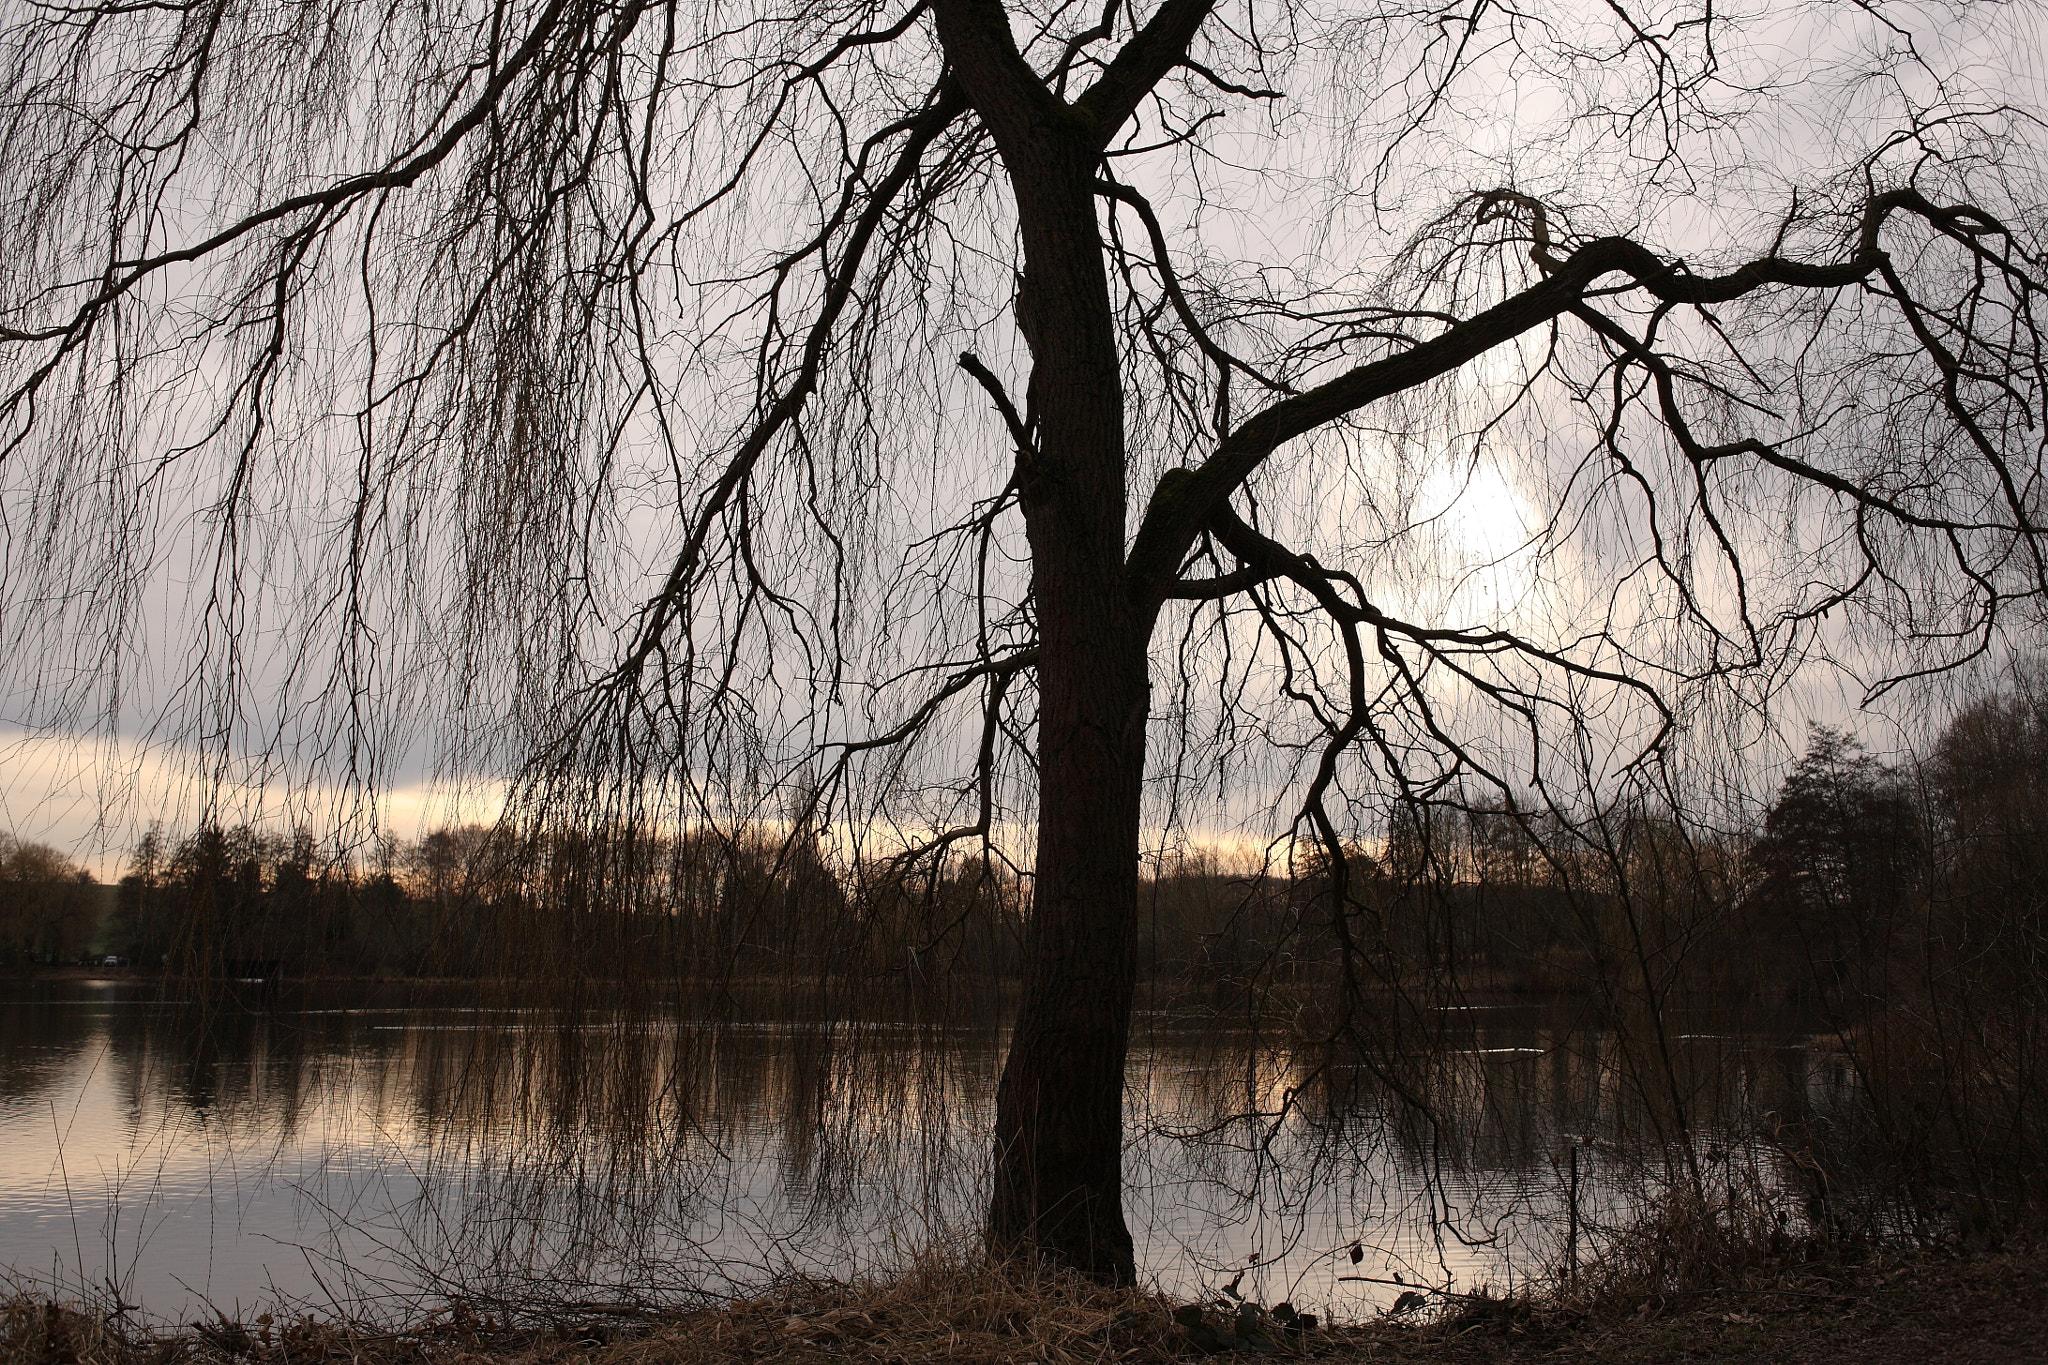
column 1860, row 873
column 50, row 907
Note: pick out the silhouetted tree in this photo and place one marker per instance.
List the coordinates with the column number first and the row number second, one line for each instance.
column 593, row 363
column 1987, row 781
column 1840, row 853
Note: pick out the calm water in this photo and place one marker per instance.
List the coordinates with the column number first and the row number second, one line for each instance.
column 358, row 1148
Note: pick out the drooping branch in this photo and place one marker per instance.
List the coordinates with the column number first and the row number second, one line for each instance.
column 947, row 103
column 1329, row 587
column 1225, row 362
column 123, row 277
column 914, row 724
column 1704, row 455
column 1000, row 674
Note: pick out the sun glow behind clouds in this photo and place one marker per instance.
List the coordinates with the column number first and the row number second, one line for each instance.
column 1468, row 552
column 1482, row 528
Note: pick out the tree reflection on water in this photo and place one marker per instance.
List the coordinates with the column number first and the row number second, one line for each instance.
column 361, row 1145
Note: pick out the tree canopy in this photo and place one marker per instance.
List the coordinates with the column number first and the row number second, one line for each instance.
column 49, row 906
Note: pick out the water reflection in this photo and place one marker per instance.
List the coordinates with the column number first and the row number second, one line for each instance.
column 360, row 1145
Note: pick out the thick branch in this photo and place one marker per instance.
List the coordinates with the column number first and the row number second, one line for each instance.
column 1018, row 103
column 1020, row 431
column 1186, row 499
column 1007, row 93
column 1221, row 586
column 1142, row 63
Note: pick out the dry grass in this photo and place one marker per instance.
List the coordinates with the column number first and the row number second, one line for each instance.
column 1690, row 1245
column 939, row 1308
column 1900, row 1308
column 1791, row 1306
column 39, row 1331
column 936, row 1309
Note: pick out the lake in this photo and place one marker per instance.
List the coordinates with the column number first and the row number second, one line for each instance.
column 349, row 1147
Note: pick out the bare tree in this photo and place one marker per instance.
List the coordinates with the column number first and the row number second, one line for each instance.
column 698, row 408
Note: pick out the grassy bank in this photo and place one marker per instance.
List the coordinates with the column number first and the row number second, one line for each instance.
column 1895, row 1309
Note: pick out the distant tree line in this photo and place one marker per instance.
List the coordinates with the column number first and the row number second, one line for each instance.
column 1857, row 878
column 1857, row 874
column 471, row 900
column 1861, row 879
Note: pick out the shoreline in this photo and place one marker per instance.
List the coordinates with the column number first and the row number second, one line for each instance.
column 1902, row 1308
column 1165, row 994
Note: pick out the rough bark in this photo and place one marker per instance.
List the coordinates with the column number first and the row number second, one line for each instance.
column 1058, row 1182
column 1059, row 1111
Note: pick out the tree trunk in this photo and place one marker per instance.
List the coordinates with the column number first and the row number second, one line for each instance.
column 1058, row 1185
column 1059, row 1108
